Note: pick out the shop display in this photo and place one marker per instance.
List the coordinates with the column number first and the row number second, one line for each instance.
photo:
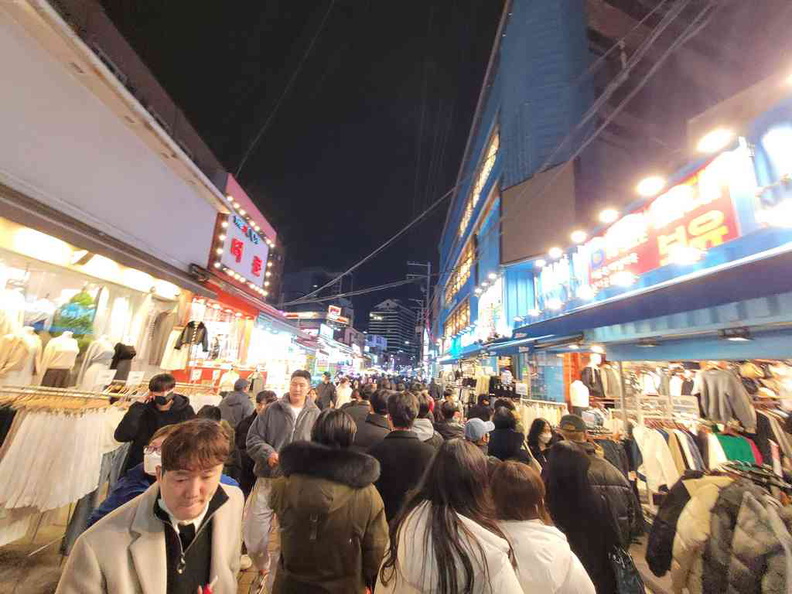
column 122, row 360
column 591, row 376
column 194, row 333
column 12, row 310
column 59, row 357
column 160, row 332
column 20, row 357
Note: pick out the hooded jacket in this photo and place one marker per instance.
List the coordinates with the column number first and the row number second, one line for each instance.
column 610, row 483
column 333, row 531
column 142, row 421
column 413, row 573
column 425, row 431
column 275, row 428
column 235, row 407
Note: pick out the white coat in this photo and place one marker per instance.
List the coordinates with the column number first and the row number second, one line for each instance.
column 124, row 553
column 545, row 563
column 416, row 571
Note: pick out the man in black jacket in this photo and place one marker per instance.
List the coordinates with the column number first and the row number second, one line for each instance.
column 607, row 481
column 326, row 392
column 449, row 426
column 403, row 457
column 374, row 427
column 159, row 408
column 359, row 409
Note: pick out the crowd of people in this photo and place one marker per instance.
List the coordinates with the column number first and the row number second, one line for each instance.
column 382, row 485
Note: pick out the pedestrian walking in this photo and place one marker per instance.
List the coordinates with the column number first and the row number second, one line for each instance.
column 423, row 426
column 402, row 456
column 247, row 476
column 505, row 442
column 449, row 425
column 159, row 408
column 343, row 392
column 540, row 439
column 545, row 561
column 375, row 427
column 180, row 535
column 237, row 405
column 333, row 528
column 326, row 395
column 446, row 540
column 289, row 419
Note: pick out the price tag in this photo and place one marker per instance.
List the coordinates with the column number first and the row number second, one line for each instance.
column 135, row 378
column 195, row 375
column 104, row 378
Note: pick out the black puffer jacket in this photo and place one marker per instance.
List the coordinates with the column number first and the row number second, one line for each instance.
column 660, row 547
column 718, row 548
column 608, row 482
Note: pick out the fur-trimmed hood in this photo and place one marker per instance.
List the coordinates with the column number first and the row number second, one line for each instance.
column 350, row 468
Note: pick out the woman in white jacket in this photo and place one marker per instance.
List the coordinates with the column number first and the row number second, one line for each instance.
column 445, row 540
column 545, row 563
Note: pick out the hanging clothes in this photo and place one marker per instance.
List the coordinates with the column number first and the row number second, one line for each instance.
column 122, row 360
column 194, row 333
column 20, row 357
column 723, row 398
column 591, row 376
column 98, row 357
column 174, row 359
column 163, row 326
column 658, row 464
column 12, row 311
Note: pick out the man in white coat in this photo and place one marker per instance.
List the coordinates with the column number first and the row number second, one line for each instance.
column 180, row 536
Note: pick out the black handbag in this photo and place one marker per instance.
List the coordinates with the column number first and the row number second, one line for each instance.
column 628, row 579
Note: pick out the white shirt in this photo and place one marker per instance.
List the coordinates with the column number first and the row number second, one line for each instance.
column 296, row 411
column 178, row 523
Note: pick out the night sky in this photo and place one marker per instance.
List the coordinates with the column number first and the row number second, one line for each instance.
column 370, row 134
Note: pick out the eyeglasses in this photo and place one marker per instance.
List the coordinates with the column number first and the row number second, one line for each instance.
column 152, row 449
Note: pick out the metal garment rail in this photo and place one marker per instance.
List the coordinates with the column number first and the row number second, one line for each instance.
column 47, row 391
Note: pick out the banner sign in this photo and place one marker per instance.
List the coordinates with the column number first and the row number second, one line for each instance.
column 245, row 251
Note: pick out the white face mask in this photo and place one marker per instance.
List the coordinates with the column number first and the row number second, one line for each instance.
column 545, row 437
column 150, row 462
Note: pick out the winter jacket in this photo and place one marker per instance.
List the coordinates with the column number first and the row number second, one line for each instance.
column 758, row 558
column 129, row 486
column 343, row 395
column 413, row 573
column 193, row 333
column 723, row 397
column 371, row 432
column 276, row 428
column 450, row 429
column 326, row 394
column 359, row 411
column 718, row 549
column 425, row 431
column 545, row 563
column 235, row 407
column 609, row 483
column 142, row 421
column 333, row 531
column 659, row 548
column 403, row 459
column 693, row 531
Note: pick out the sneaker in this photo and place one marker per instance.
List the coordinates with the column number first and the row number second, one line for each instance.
column 245, row 563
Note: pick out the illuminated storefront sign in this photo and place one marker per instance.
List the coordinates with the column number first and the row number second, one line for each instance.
column 491, row 322
column 333, row 312
column 244, row 251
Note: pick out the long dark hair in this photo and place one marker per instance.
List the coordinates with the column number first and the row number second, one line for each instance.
column 537, row 428
column 454, row 484
column 570, row 498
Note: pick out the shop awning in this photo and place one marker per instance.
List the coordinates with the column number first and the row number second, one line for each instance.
column 750, row 278
column 21, row 209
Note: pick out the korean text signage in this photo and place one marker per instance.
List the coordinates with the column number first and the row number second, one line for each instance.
column 675, row 228
column 245, row 251
column 333, row 312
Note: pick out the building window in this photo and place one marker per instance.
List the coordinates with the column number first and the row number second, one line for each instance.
column 481, row 178
column 458, row 320
column 460, row 273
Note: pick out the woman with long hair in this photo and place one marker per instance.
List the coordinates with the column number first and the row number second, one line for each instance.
column 545, row 562
column 540, row 440
column 445, row 540
column 580, row 513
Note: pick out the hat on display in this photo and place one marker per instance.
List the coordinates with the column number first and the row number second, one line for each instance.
column 476, row 429
column 572, row 423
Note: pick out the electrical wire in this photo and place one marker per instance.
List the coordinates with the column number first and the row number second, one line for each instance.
column 286, row 90
column 365, row 291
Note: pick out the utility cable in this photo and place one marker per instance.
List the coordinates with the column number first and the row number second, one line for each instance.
column 286, row 90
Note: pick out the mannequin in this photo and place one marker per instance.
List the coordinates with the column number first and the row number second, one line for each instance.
column 579, row 397
column 59, row 357
column 20, row 357
column 97, row 358
column 592, row 376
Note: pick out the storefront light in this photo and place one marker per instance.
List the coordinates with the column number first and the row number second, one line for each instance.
column 166, row 290
column 104, row 268
column 221, row 237
column 650, row 186
column 219, row 251
column 224, row 224
column 41, row 246
column 623, row 278
column 714, row 141
column 266, row 283
column 269, row 264
column 555, row 253
column 578, row 236
column 477, row 290
column 540, row 263
column 268, row 273
column 242, row 212
column 609, row 215
column 136, row 279
column 217, row 265
column 492, row 276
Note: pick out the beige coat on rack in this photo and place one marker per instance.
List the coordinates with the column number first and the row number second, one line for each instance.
column 125, row 552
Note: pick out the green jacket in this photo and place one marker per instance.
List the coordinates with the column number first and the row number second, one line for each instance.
column 332, row 521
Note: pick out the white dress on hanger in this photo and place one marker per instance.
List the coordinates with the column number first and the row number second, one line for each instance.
column 22, row 373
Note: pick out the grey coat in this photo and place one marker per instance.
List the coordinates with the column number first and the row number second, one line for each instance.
column 235, row 407
column 276, row 428
column 723, row 397
column 758, row 559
